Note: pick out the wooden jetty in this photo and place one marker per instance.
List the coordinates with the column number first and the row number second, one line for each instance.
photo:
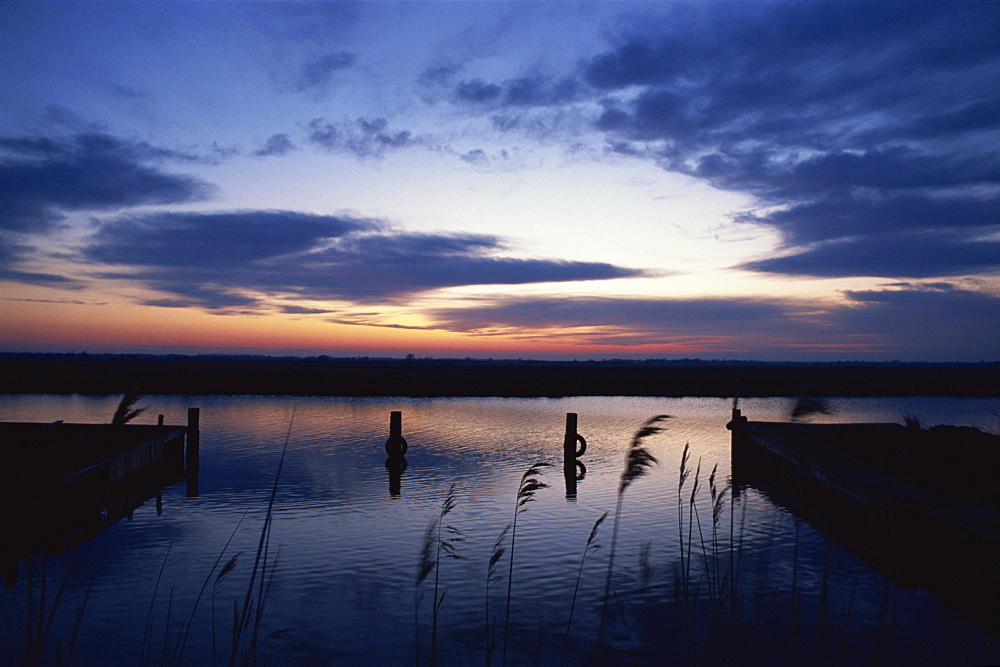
column 62, row 483
column 921, row 505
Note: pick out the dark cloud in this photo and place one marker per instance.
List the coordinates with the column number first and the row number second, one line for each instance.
column 476, row 156
column 276, row 145
column 35, row 278
column 934, row 321
column 41, row 178
column 216, row 241
column 302, row 310
column 849, row 217
column 538, row 91
column 477, row 90
column 363, row 138
column 659, row 319
column 530, row 91
column 219, row 260
column 937, row 323
column 440, row 75
column 904, row 255
column 845, row 119
column 200, row 296
column 318, row 72
column 13, row 253
column 850, row 121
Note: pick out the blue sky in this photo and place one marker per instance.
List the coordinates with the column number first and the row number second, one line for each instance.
column 784, row 180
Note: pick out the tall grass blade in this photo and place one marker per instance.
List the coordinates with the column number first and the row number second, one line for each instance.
column 78, row 620
column 147, row 634
column 638, row 461
column 592, row 545
column 498, row 551
column 526, row 491
column 446, row 547
column 248, row 655
column 186, row 629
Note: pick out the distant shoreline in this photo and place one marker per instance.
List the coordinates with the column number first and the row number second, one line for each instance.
column 321, row 376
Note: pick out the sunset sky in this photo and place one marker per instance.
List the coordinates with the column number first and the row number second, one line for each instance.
column 738, row 180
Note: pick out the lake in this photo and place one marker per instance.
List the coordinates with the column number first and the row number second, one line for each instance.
column 347, row 536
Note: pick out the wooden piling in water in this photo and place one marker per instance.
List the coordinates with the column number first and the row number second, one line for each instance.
column 570, row 451
column 571, row 464
column 396, row 445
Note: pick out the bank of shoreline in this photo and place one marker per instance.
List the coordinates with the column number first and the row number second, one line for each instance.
column 320, row 376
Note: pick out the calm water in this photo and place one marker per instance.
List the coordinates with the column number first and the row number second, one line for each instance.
column 347, row 548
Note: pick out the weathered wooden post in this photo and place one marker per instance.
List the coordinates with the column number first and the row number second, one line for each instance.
column 396, row 446
column 192, row 448
column 571, row 453
column 159, row 420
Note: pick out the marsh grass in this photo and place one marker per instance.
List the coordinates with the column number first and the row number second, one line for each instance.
column 246, row 621
column 526, row 490
column 39, row 614
column 440, row 541
column 591, row 546
column 126, row 410
column 638, row 461
column 492, row 575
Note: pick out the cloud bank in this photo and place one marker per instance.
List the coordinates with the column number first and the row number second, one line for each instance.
column 228, row 259
column 926, row 321
column 856, row 125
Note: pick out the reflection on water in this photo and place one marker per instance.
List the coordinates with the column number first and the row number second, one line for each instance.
column 348, row 526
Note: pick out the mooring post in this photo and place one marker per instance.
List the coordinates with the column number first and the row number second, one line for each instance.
column 395, row 424
column 395, row 446
column 570, row 452
column 569, row 444
column 191, row 451
column 571, row 465
column 159, row 420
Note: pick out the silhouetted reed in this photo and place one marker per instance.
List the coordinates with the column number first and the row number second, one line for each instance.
column 526, row 490
column 491, row 575
column 39, row 620
column 638, row 461
column 125, row 412
column 247, row 620
column 147, row 633
column 682, row 580
column 439, row 542
column 227, row 568
column 591, row 545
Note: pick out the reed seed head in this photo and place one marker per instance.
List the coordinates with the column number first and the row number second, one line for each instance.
column 530, row 484
column 684, row 470
column 425, row 565
column 227, row 568
column 638, row 460
column 593, row 531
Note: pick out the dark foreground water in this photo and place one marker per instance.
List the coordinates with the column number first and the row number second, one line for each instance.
column 346, row 544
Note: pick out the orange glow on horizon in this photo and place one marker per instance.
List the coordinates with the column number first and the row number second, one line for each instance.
column 77, row 326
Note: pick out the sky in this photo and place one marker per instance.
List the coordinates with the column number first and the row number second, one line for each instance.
column 802, row 181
